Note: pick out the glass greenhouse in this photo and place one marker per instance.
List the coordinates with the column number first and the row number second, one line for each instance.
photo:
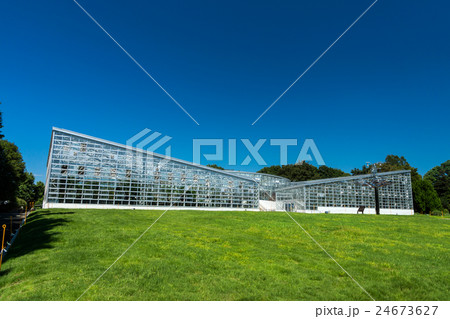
column 88, row 172
column 348, row 194
column 84, row 171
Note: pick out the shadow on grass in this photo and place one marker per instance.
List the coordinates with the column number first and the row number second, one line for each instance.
column 37, row 234
column 4, row 272
column 48, row 213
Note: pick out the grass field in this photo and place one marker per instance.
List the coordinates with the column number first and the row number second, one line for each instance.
column 199, row 255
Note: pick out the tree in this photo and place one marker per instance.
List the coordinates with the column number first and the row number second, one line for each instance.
column 439, row 177
column 12, row 172
column 26, row 188
column 364, row 170
column 396, row 163
column 16, row 185
column 303, row 172
column 296, row 173
column 329, row 172
column 425, row 197
column 39, row 189
column 271, row 170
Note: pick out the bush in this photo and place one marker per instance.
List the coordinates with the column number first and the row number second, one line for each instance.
column 438, row 212
column 21, row 203
column 38, row 203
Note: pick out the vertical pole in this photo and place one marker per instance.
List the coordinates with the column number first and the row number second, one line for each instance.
column 377, row 201
column 26, row 208
column 10, row 227
column 3, row 241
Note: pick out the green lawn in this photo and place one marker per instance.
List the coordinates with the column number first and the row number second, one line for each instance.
column 200, row 255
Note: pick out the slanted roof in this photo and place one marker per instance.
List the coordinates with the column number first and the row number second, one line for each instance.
column 131, row 148
column 338, row 179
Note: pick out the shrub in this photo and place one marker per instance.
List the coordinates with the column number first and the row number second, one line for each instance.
column 438, row 212
column 21, row 203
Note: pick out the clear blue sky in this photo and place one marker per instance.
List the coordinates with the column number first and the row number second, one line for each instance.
column 384, row 88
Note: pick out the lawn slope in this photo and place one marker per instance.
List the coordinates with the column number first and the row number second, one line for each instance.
column 200, row 255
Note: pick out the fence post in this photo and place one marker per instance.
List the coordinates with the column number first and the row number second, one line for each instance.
column 26, row 209
column 3, row 241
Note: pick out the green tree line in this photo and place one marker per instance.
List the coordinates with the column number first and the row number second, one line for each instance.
column 303, row 172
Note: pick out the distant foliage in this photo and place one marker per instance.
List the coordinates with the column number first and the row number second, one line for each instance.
column 361, row 171
column 439, row 176
column 303, row 172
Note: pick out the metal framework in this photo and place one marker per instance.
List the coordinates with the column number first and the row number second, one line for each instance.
column 84, row 170
column 267, row 183
column 347, row 194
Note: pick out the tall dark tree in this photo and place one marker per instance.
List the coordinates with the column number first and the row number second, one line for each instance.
column 12, row 172
column 15, row 183
column 426, row 199
column 439, row 176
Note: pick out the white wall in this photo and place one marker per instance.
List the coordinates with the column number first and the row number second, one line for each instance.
column 354, row 210
column 264, row 205
column 95, row 206
column 267, row 205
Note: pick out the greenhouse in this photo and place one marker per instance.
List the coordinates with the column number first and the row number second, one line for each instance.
column 349, row 195
column 88, row 172
column 84, row 171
